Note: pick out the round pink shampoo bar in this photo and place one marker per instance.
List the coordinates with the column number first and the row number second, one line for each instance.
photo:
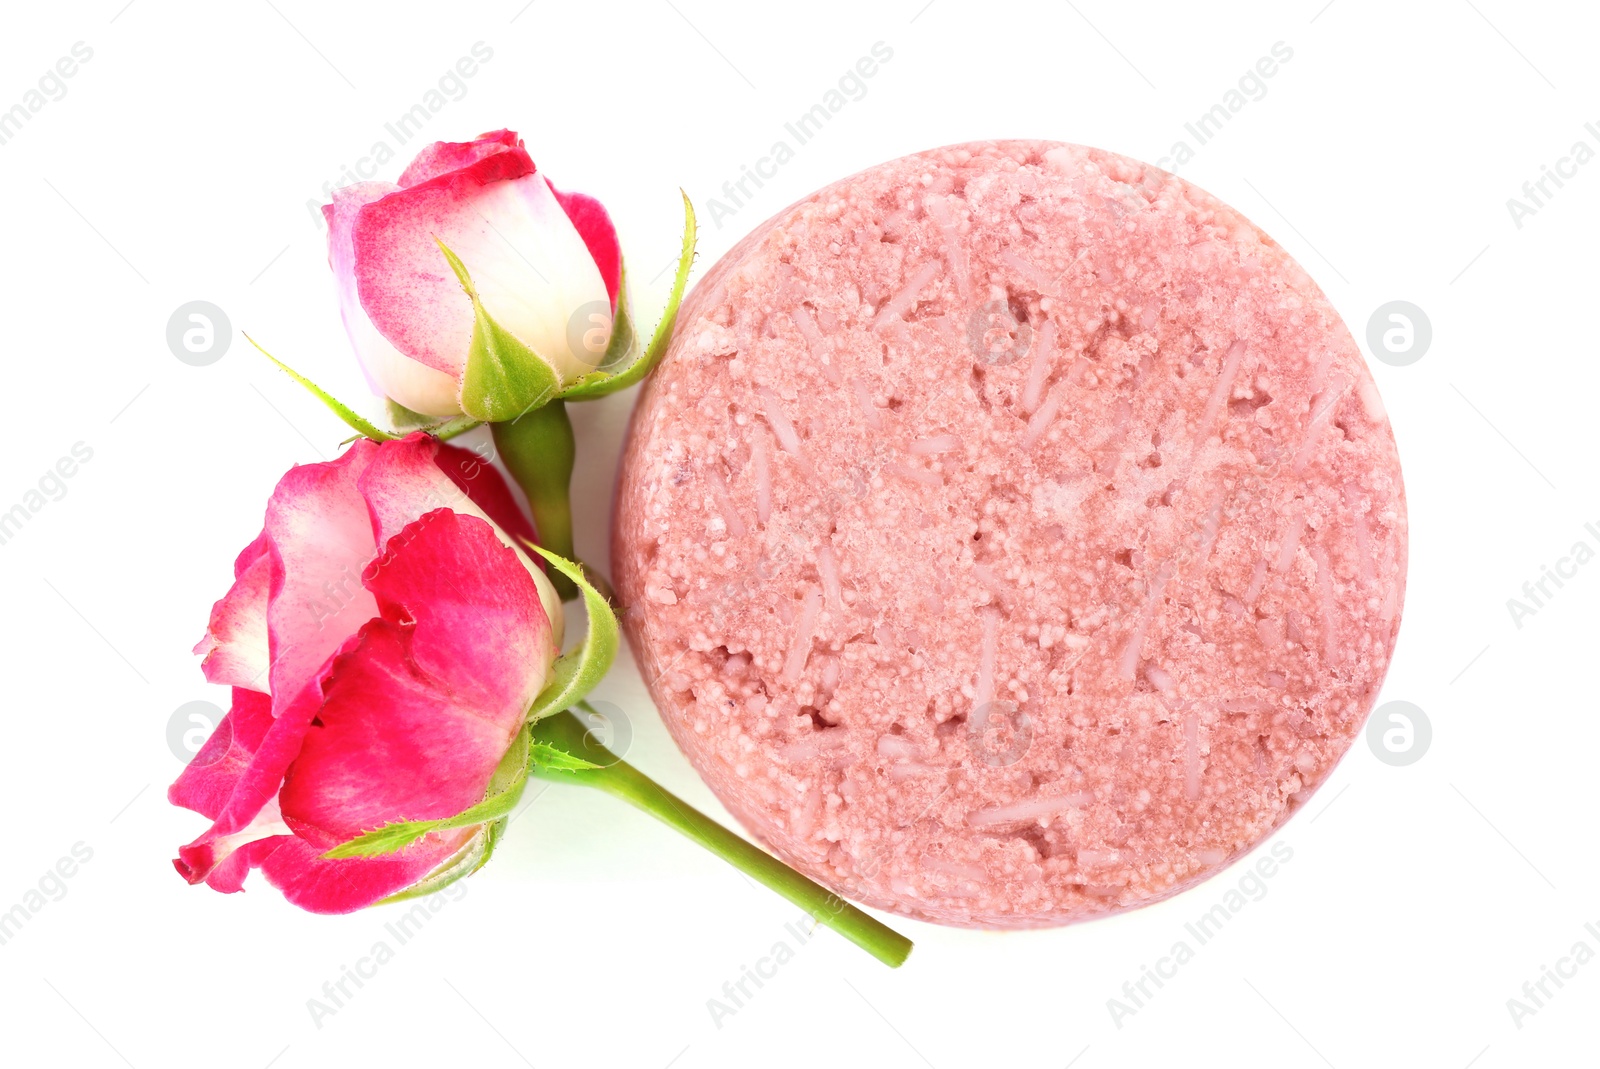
column 1013, row 534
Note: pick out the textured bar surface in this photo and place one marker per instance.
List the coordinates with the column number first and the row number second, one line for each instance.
column 1013, row 534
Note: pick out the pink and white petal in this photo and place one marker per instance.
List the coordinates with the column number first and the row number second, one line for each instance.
column 419, row 713
column 414, row 385
column 599, row 234
column 487, row 489
column 215, row 859
column 322, row 541
column 235, row 645
column 251, row 809
column 389, row 371
column 227, row 875
column 537, row 277
column 442, row 157
column 405, row 285
column 209, row 779
column 404, row 482
column 529, row 263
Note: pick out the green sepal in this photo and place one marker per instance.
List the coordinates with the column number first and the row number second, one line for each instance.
column 576, row 673
column 505, row 789
column 589, row 388
column 504, row 377
column 355, row 422
column 452, row 427
column 464, row 862
column 623, row 348
column 545, row 755
column 493, row 833
column 404, row 420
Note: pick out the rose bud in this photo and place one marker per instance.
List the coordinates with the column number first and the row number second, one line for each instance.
column 385, row 638
column 546, row 265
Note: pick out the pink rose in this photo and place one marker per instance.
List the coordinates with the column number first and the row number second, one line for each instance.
column 385, row 638
column 546, row 264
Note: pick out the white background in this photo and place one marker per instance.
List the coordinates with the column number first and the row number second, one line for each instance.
column 178, row 167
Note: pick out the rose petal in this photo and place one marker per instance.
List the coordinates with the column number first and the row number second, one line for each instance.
column 207, row 782
column 442, row 157
column 251, row 809
column 475, row 621
column 389, row 371
column 528, row 261
column 420, row 711
column 599, row 234
column 404, row 481
column 217, row 859
column 322, row 540
column 235, row 645
column 441, row 586
column 297, row 868
column 483, row 484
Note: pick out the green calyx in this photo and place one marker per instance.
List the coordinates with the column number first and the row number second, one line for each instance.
column 504, row 378
column 577, row 673
column 630, row 363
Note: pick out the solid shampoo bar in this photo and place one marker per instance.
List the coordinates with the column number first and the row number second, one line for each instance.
column 1012, row 535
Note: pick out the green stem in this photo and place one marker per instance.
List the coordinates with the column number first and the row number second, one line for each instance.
column 539, row 451
column 622, row 780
